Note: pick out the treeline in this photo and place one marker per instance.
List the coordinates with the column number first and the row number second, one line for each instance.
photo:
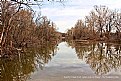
column 18, row 28
column 101, row 24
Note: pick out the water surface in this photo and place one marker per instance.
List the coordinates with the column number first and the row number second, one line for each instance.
column 68, row 61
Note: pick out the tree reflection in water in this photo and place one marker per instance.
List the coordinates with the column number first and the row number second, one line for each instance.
column 102, row 57
column 18, row 68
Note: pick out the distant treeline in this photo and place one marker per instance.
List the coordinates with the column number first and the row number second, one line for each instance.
column 101, row 24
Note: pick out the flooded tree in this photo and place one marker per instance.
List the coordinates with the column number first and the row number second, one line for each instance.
column 117, row 24
column 7, row 13
column 19, row 30
column 102, row 24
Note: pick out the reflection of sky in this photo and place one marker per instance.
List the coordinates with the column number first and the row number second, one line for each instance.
column 66, row 16
column 66, row 56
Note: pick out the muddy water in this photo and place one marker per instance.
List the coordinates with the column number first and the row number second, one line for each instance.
column 70, row 61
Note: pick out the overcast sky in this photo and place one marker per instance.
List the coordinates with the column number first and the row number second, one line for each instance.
column 66, row 16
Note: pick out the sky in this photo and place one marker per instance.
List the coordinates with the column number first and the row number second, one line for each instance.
column 66, row 14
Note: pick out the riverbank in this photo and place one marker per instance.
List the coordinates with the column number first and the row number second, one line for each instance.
column 103, row 41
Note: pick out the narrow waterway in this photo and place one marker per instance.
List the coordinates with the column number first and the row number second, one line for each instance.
column 66, row 61
column 66, row 66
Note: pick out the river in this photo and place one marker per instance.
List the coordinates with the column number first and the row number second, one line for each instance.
column 71, row 61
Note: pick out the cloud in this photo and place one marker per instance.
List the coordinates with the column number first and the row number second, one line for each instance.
column 64, row 25
column 66, row 16
column 64, row 12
